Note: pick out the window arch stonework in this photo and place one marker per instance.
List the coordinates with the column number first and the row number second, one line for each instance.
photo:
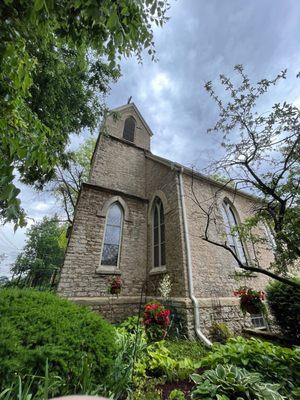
column 158, row 194
column 231, row 222
column 129, row 129
column 103, row 211
column 158, row 234
column 112, row 238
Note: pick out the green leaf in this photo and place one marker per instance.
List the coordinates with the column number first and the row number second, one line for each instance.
column 38, row 4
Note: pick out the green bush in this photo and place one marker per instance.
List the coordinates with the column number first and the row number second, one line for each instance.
column 275, row 363
column 160, row 363
column 176, row 395
column 132, row 324
column 128, row 370
column 39, row 326
column 180, row 349
column 284, row 304
column 231, row 382
column 219, row 332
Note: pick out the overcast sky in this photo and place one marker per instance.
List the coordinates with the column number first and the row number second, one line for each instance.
column 202, row 39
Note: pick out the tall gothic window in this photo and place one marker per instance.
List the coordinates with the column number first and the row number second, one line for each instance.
column 129, row 128
column 159, row 245
column 234, row 241
column 113, row 235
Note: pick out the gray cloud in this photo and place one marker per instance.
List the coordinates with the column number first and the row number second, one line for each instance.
column 202, row 39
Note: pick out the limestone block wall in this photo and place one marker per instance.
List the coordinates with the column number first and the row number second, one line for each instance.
column 79, row 277
column 117, row 165
column 115, row 127
column 225, row 310
column 163, row 182
column 213, row 267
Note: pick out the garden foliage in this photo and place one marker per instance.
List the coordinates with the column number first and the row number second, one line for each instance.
column 57, row 59
column 219, row 332
column 140, row 360
column 38, row 328
column 231, row 382
column 284, row 304
column 276, row 364
column 192, row 349
column 156, row 320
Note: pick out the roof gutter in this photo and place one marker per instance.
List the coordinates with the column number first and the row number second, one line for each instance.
column 198, row 331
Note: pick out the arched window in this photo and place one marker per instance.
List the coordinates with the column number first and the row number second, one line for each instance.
column 270, row 236
column 159, row 245
column 234, row 241
column 113, row 235
column 129, row 128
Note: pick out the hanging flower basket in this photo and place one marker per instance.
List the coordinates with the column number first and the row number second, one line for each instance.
column 115, row 286
column 251, row 301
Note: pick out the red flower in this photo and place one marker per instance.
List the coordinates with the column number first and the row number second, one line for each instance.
column 156, row 320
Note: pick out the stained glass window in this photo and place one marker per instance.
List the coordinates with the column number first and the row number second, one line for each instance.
column 129, row 128
column 233, row 238
column 112, row 236
column 159, row 246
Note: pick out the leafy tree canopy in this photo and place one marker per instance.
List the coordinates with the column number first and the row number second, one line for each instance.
column 43, row 252
column 66, row 184
column 55, row 55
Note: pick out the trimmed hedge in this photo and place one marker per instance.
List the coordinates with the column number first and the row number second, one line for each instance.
column 284, row 304
column 39, row 326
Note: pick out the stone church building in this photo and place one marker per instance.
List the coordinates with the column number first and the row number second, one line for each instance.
column 137, row 218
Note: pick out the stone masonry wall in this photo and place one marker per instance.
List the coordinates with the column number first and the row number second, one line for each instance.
column 214, row 268
column 115, row 128
column 79, row 277
column 159, row 179
column 119, row 166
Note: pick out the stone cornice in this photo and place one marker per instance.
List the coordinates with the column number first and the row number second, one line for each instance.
column 203, row 302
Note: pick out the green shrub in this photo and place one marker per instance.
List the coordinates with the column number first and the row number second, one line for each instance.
column 39, row 326
column 219, row 332
column 176, row 395
column 159, row 362
column 128, row 370
column 275, row 363
column 132, row 324
column 180, row 349
column 231, row 382
column 284, row 304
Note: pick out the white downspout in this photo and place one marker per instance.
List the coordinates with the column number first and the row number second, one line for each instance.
column 199, row 333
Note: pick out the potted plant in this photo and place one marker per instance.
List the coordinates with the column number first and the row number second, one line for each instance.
column 115, row 286
column 251, row 301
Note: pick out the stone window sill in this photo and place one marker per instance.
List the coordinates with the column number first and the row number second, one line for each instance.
column 107, row 270
column 158, row 270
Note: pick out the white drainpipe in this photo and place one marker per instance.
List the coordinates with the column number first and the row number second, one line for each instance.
column 199, row 333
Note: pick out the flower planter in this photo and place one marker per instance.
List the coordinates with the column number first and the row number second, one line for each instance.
column 250, row 307
column 115, row 286
column 116, row 291
column 250, row 300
